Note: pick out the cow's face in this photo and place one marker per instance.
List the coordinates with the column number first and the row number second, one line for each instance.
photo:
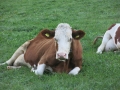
column 63, row 36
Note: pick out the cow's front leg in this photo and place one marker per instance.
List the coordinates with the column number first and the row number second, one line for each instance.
column 40, row 69
column 78, row 66
column 74, row 71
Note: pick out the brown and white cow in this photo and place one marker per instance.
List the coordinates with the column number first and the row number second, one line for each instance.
column 111, row 39
column 58, row 51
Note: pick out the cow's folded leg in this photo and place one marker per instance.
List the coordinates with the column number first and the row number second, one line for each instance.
column 40, row 69
column 106, row 38
column 74, row 71
column 13, row 67
column 20, row 61
column 110, row 46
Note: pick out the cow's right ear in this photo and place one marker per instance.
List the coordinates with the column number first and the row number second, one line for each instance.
column 48, row 33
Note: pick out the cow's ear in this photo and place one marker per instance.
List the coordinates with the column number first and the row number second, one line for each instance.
column 77, row 34
column 48, row 33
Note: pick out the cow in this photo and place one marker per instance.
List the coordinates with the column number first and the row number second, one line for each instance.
column 111, row 39
column 56, row 50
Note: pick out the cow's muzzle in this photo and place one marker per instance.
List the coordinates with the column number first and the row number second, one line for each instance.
column 61, row 56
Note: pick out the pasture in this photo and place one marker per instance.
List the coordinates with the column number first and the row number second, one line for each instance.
column 21, row 20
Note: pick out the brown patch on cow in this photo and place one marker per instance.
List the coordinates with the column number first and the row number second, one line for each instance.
column 111, row 26
column 117, row 37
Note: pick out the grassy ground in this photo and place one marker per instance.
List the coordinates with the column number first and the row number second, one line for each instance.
column 21, row 20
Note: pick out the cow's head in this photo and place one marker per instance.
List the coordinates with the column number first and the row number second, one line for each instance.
column 63, row 36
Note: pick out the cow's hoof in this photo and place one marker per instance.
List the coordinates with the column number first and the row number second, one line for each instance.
column 99, row 52
column 75, row 71
column 8, row 67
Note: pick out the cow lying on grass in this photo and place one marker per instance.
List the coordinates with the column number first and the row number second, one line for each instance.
column 58, row 51
column 111, row 39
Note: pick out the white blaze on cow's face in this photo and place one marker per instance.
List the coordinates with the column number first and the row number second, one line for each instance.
column 63, row 37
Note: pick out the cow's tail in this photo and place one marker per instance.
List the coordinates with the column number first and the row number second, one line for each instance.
column 94, row 42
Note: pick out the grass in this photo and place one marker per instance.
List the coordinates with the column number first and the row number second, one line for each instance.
column 22, row 20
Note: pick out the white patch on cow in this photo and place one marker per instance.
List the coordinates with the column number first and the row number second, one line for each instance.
column 106, row 38
column 110, row 46
column 74, row 71
column 63, row 34
column 40, row 69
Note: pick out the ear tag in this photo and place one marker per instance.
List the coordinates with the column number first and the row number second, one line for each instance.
column 47, row 35
column 77, row 36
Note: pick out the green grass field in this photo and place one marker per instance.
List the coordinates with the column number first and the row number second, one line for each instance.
column 21, row 20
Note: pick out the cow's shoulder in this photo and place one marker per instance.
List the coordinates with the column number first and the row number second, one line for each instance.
column 41, row 45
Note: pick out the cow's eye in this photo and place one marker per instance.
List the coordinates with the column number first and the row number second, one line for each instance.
column 70, row 40
column 56, row 39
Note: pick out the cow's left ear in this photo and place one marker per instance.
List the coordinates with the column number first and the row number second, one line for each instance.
column 77, row 34
column 48, row 33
